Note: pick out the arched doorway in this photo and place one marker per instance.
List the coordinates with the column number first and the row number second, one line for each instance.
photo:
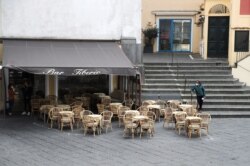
column 218, row 32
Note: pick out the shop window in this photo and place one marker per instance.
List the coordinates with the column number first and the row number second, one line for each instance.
column 175, row 35
column 241, row 43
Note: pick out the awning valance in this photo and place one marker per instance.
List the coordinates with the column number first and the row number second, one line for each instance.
column 66, row 57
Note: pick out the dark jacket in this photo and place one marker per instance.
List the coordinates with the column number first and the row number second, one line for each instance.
column 199, row 90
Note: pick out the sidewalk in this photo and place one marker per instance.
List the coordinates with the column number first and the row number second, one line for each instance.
column 29, row 142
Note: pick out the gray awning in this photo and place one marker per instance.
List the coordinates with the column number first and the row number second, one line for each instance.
column 66, row 57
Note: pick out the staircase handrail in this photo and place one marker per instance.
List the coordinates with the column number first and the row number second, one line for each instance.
column 242, row 54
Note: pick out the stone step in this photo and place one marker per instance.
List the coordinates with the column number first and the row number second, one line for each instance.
column 229, row 114
column 167, row 67
column 225, row 95
column 188, row 86
column 186, row 72
column 226, row 107
column 218, row 102
column 220, row 96
column 189, row 81
column 208, row 91
column 187, row 76
column 189, row 63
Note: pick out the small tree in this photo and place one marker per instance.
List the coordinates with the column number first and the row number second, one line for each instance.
column 150, row 34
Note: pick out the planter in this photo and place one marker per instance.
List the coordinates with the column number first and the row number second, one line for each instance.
column 148, row 49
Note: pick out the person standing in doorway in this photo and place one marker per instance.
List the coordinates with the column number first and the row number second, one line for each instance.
column 27, row 93
column 200, row 94
column 11, row 101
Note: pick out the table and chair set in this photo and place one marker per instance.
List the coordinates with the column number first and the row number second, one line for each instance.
column 186, row 117
column 136, row 122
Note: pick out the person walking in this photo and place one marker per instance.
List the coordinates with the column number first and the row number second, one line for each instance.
column 11, row 95
column 200, row 94
column 27, row 93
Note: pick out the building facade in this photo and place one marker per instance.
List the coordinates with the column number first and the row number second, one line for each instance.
column 34, row 25
column 212, row 28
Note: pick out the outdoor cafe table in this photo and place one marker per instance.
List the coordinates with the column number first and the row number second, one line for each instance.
column 97, row 118
column 115, row 104
column 65, row 107
column 176, row 112
column 139, row 117
column 184, row 107
column 135, row 112
column 67, row 113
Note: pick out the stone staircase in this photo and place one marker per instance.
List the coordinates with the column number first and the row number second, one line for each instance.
column 225, row 95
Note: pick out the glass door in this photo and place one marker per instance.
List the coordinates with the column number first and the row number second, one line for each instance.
column 165, row 35
column 175, row 35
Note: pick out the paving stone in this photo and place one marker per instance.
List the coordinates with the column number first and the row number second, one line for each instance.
column 25, row 141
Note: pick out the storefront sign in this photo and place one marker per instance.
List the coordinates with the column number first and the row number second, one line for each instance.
column 53, row 72
column 75, row 72
column 85, row 72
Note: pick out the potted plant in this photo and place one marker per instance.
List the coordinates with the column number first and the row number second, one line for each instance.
column 150, row 33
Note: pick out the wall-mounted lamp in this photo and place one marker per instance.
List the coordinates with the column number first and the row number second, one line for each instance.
column 201, row 20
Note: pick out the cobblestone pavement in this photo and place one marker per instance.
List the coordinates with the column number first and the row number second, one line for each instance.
column 28, row 142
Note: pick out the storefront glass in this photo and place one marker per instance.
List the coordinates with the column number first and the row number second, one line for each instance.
column 80, row 85
column 175, row 35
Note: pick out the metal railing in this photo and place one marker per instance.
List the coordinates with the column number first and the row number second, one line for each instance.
column 178, row 75
column 242, row 54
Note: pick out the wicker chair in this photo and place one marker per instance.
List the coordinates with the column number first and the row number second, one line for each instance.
column 143, row 110
column 168, row 117
column 54, row 116
column 206, row 118
column 67, row 119
column 100, row 108
column 76, row 104
column 147, row 125
column 85, row 112
column 106, row 100
column 35, row 106
column 52, row 99
column 130, row 126
column 129, row 103
column 115, row 109
column 151, row 115
column 44, row 111
column 106, row 120
column 180, row 121
column 90, row 123
column 190, row 111
column 86, row 102
column 77, row 115
column 121, row 113
column 162, row 104
column 148, row 102
column 174, row 104
column 194, row 126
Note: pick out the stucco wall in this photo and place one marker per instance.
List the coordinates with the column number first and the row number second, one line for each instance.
column 237, row 22
column 175, row 5
column 71, row 19
column 242, row 72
